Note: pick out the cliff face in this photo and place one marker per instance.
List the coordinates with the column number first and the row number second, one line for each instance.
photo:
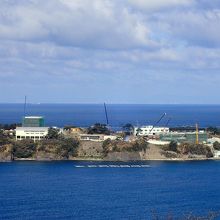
column 123, row 156
column 90, row 149
column 5, row 153
column 70, row 149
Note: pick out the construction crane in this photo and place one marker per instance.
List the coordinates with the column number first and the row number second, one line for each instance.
column 197, row 134
column 168, row 121
column 164, row 114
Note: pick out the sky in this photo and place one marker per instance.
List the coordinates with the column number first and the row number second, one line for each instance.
column 113, row 51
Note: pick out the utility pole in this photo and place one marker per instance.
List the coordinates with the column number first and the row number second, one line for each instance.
column 197, row 134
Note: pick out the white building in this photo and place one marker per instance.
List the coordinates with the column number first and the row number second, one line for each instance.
column 96, row 137
column 34, row 133
column 150, row 130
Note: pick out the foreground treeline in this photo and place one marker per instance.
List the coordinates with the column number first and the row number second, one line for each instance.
column 45, row 149
column 53, row 147
column 174, row 150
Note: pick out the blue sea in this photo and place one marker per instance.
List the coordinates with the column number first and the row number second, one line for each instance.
column 60, row 190
column 87, row 114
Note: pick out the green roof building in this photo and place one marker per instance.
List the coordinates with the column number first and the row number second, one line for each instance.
column 189, row 137
column 33, row 121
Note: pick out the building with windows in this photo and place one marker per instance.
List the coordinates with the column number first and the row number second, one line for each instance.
column 33, row 121
column 96, row 137
column 32, row 128
column 33, row 133
column 150, row 130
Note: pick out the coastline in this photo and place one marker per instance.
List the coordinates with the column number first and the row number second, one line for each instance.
column 104, row 160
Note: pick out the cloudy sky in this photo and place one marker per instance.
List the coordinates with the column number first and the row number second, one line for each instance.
column 117, row 51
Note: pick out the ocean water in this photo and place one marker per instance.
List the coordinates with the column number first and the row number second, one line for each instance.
column 60, row 190
column 87, row 114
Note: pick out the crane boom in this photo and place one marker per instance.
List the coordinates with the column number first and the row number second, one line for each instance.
column 164, row 114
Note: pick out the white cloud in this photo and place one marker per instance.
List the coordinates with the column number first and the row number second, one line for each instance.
column 132, row 43
column 160, row 4
column 97, row 24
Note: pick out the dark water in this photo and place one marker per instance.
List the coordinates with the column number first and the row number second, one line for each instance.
column 88, row 114
column 59, row 190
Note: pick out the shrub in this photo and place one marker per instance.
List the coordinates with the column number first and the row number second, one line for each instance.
column 196, row 149
column 98, row 129
column 67, row 148
column 139, row 146
column 24, row 149
column 172, row 146
column 216, row 145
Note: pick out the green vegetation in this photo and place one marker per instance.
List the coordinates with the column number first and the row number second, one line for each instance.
column 99, row 129
column 4, row 139
column 172, row 146
column 23, row 149
column 213, row 130
column 139, row 130
column 53, row 133
column 128, row 128
column 9, row 126
column 216, row 145
column 67, row 148
column 122, row 146
column 68, row 127
column 58, row 148
column 188, row 149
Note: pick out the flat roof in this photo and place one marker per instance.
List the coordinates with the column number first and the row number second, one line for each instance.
column 31, row 128
column 33, row 116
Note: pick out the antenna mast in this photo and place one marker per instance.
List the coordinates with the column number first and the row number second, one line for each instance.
column 25, row 103
column 106, row 114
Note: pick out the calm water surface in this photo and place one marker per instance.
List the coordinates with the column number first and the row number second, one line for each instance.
column 59, row 190
column 87, row 114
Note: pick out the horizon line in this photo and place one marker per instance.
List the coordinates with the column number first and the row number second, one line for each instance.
column 101, row 103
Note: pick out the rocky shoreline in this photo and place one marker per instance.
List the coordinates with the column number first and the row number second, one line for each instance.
column 73, row 150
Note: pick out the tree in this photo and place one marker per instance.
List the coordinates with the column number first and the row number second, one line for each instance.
column 128, row 128
column 53, row 133
column 24, row 149
column 173, row 146
column 216, row 145
column 139, row 130
column 213, row 130
column 99, row 128
column 67, row 147
column 3, row 138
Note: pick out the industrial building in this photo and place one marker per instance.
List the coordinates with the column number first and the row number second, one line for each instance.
column 32, row 128
column 33, row 121
column 150, row 130
column 187, row 137
column 34, row 133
